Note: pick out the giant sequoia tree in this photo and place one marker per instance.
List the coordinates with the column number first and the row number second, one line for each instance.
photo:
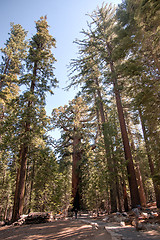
column 72, row 119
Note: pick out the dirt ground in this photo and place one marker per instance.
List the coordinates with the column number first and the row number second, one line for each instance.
column 57, row 230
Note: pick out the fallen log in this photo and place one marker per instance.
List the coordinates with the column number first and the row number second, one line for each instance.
column 38, row 217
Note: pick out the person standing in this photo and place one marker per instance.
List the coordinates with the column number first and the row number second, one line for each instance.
column 76, row 213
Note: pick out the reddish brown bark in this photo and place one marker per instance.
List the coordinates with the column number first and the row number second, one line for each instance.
column 75, row 172
column 135, row 200
column 31, row 188
column 20, row 185
column 137, row 168
column 15, row 206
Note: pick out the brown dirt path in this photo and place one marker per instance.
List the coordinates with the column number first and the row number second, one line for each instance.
column 58, row 230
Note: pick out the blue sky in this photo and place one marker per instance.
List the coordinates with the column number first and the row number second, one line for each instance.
column 66, row 19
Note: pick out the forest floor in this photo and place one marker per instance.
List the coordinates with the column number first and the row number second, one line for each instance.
column 82, row 228
column 127, row 232
column 57, row 230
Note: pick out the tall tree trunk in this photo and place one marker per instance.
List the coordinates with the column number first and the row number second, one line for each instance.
column 135, row 200
column 75, row 172
column 19, row 197
column 151, row 164
column 125, row 196
column 106, row 137
column 15, row 206
column 6, row 208
column 21, row 185
column 137, row 168
column 31, row 188
column 140, row 183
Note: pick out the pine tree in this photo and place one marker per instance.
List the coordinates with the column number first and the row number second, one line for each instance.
column 40, row 79
column 13, row 55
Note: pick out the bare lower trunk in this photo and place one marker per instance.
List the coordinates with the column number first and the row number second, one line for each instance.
column 140, row 185
column 20, row 185
column 130, row 167
column 15, row 206
column 137, row 168
column 75, row 173
column 31, row 188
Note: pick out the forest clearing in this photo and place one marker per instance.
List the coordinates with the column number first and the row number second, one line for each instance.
column 105, row 166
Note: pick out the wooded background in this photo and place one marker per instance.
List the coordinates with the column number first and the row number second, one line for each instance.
column 108, row 156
